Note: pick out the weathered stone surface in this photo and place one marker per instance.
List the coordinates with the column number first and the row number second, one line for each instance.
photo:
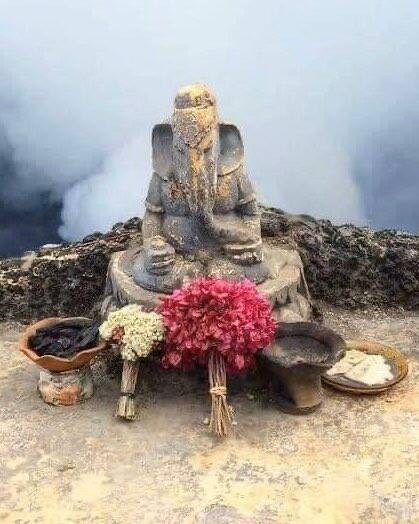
column 202, row 218
column 200, row 201
column 350, row 266
column 283, row 287
column 61, row 280
column 344, row 265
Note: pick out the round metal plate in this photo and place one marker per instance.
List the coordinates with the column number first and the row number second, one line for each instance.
column 398, row 362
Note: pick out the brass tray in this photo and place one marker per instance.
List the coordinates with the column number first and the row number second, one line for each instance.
column 397, row 361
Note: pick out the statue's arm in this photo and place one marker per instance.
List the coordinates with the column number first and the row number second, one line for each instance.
column 159, row 255
column 152, row 225
column 242, row 241
column 152, row 222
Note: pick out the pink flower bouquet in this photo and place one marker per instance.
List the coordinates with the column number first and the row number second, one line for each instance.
column 217, row 323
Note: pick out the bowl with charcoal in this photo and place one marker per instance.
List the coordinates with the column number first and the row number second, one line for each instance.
column 62, row 344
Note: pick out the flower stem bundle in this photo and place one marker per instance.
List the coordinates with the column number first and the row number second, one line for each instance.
column 126, row 404
column 219, row 324
column 221, row 413
column 137, row 333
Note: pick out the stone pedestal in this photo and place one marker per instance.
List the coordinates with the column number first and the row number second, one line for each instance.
column 66, row 388
column 284, row 286
column 300, row 389
column 295, row 361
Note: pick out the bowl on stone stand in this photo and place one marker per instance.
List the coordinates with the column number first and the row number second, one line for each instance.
column 62, row 381
column 295, row 361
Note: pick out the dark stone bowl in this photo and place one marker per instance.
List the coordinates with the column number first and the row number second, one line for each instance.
column 295, row 361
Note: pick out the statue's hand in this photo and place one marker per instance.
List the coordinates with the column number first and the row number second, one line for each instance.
column 159, row 255
column 245, row 255
column 248, row 258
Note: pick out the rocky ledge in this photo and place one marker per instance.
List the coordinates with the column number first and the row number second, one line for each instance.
column 345, row 266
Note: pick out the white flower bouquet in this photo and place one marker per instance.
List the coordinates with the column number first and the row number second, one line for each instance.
column 137, row 333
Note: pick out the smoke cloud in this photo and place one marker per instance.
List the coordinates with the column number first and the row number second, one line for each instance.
column 325, row 94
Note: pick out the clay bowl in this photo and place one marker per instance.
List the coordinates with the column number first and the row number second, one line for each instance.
column 58, row 364
column 295, row 361
column 398, row 363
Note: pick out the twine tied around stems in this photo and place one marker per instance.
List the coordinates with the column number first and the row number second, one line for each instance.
column 218, row 390
column 126, row 394
column 126, row 406
column 221, row 413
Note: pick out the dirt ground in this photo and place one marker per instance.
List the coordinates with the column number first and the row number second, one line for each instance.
column 355, row 460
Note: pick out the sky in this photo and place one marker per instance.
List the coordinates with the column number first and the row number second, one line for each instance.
column 324, row 92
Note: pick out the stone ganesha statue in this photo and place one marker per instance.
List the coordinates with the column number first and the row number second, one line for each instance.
column 200, row 202
column 202, row 217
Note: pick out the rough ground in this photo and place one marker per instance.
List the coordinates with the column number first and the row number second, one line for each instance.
column 353, row 461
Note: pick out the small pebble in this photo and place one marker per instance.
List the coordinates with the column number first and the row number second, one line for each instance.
column 206, row 421
column 65, row 466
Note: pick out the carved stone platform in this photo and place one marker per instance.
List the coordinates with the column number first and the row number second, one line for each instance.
column 285, row 286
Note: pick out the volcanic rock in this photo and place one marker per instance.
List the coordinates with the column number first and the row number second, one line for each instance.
column 345, row 266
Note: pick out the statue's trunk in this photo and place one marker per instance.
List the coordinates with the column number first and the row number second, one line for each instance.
column 202, row 183
column 198, row 179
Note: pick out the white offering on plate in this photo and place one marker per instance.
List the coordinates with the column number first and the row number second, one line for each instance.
column 368, row 369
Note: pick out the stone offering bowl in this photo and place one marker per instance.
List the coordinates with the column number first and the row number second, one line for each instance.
column 295, row 361
column 53, row 363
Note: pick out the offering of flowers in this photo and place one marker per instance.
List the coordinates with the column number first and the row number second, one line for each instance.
column 137, row 333
column 220, row 324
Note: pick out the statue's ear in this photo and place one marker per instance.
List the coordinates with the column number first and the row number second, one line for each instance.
column 162, row 140
column 231, row 148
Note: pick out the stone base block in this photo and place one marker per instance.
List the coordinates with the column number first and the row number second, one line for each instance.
column 283, row 285
column 66, row 388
